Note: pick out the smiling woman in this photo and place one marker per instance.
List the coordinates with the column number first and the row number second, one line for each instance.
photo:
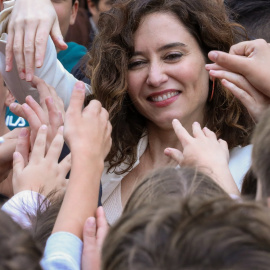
column 148, row 68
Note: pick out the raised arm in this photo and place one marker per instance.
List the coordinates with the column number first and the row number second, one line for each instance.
column 88, row 134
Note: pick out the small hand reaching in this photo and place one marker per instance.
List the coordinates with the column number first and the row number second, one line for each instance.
column 40, row 171
column 205, row 151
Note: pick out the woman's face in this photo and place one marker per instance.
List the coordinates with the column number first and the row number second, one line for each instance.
column 166, row 77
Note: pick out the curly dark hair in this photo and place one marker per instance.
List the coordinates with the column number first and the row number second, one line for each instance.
column 207, row 22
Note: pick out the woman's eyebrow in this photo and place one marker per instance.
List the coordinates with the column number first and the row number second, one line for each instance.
column 172, row 45
column 163, row 48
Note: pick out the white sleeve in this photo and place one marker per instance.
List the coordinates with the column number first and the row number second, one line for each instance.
column 52, row 71
column 63, row 251
column 23, row 203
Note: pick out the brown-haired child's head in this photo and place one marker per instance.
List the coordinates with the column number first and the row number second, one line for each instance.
column 194, row 233
column 261, row 155
column 18, row 250
column 171, row 183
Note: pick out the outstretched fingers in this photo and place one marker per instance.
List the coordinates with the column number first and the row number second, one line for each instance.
column 77, row 99
column 23, row 144
column 56, row 146
column 181, row 133
column 174, row 154
column 39, row 148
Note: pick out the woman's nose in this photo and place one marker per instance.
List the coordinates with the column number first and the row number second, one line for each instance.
column 156, row 75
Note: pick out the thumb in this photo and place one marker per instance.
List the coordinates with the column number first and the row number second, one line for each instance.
column 89, row 233
column 231, row 62
column 57, row 37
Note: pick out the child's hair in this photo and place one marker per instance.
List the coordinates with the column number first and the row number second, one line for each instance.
column 249, row 185
column 44, row 217
column 18, row 250
column 253, row 15
column 171, row 183
column 193, row 233
column 261, row 153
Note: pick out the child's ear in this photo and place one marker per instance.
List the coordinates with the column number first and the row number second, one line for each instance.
column 9, row 98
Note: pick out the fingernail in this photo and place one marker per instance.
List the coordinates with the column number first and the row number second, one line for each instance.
column 7, row 67
column 196, row 124
column 13, row 105
column 213, row 55
column 91, row 222
column 44, row 127
column 80, row 85
column 61, row 129
column 22, row 75
column 25, row 106
column 28, row 77
column 30, row 97
column 176, row 121
column 205, row 128
column 38, row 63
column 24, row 132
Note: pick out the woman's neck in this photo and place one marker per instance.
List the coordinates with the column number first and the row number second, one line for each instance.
column 159, row 139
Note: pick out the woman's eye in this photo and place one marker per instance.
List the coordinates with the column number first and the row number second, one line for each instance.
column 173, row 56
column 136, row 64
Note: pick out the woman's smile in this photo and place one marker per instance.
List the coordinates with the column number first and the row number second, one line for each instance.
column 164, row 98
column 166, row 76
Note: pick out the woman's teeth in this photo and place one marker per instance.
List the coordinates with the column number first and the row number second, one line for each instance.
column 164, row 96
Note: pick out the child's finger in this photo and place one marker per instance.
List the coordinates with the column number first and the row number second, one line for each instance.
column 43, row 90
column 18, row 164
column 56, row 146
column 94, row 107
column 39, row 147
column 89, row 234
column 54, row 118
column 37, row 109
column 209, row 133
column 223, row 144
column 23, row 144
column 181, row 132
column 17, row 109
column 65, row 165
column 197, row 130
column 31, row 117
column 102, row 226
column 175, row 154
column 77, row 99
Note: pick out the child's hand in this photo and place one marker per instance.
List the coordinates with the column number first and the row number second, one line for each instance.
column 6, row 151
column 50, row 112
column 87, row 131
column 43, row 172
column 94, row 233
column 88, row 134
column 254, row 100
column 205, row 151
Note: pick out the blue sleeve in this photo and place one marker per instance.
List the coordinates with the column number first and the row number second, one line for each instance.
column 63, row 251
